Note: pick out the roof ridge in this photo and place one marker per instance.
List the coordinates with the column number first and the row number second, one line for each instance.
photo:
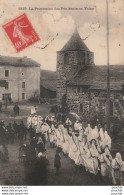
column 75, row 43
column 18, row 61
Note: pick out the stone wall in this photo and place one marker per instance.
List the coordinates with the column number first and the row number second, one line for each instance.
column 17, row 75
column 68, row 63
column 96, row 99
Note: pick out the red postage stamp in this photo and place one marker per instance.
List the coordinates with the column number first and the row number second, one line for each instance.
column 21, row 32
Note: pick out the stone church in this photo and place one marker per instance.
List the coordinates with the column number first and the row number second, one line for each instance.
column 85, row 84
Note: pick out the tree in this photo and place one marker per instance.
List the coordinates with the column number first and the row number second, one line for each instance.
column 54, row 109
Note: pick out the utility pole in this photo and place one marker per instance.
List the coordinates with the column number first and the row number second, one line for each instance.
column 18, row 82
column 108, row 68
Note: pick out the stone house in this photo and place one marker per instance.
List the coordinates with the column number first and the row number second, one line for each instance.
column 22, row 76
column 85, row 83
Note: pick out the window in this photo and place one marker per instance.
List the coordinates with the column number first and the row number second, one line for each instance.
column 88, row 59
column 81, row 108
column 66, row 58
column 3, row 98
column 7, row 85
column 6, row 96
column 6, row 73
column 23, row 96
column 111, row 108
column 81, row 57
column 22, row 73
column 84, row 107
column 23, row 85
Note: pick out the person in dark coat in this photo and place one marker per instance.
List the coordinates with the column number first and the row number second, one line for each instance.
column 16, row 109
column 3, row 136
column 15, row 127
column 23, row 131
column 38, row 172
column 44, row 140
column 0, row 106
column 31, row 132
column 10, row 100
column 41, row 164
column 33, row 144
column 11, row 134
column 57, row 161
column 20, row 131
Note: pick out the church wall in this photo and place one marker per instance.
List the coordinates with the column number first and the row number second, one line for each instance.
column 94, row 101
column 68, row 63
column 91, row 58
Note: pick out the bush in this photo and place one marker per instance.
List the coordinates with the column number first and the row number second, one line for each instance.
column 33, row 99
column 116, row 131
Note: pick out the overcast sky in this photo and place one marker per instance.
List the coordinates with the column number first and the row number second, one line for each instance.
column 91, row 25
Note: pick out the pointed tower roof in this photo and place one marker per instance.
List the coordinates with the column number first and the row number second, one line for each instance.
column 75, row 43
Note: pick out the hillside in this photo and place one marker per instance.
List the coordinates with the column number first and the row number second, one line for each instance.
column 48, row 79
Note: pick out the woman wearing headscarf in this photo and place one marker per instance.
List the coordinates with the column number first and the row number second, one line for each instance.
column 106, row 141
column 40, row 118
column 66, row 144
column 95, row 155
column 38, row 128
column 122, row 174
column 45, row 129
column 116, row 168
column 40, row 145
column 100, row 139
column 74, row 148
column 101, row 133
column 88, row 161
column 107, row 166
column 29, row 121
column 68, row 124
column 78, row 153
column 88, row 129
column 39, row 172
column 58, row 135
column 83, row 148
column 95, row 133
column 52, row 137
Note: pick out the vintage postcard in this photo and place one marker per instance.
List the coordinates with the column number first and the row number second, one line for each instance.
column 61, row 93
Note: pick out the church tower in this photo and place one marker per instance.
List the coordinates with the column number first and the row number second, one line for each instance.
column 71, row 58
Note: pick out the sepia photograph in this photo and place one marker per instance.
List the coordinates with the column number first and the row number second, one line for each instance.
column 61, row 93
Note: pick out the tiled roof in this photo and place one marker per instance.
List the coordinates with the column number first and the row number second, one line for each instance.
column 96, row 77
column 75, row 43
column 17, row 61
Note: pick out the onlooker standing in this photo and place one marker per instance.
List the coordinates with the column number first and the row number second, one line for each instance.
column 15, row 127
column 57, row 161
column 10, row 99
column 16, row 109
column 0, row 105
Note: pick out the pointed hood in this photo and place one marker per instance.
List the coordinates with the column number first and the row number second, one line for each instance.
column 75, row 43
